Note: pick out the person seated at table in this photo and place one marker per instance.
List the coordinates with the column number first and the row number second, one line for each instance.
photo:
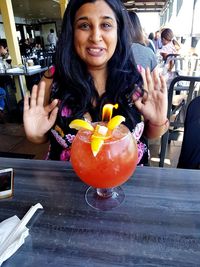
column 169, row 46
column 94, row 67
column 6, row 82
column 4, row 49
column 143, row 55
column 25, row 48
column 190, row 150
column 4, row 53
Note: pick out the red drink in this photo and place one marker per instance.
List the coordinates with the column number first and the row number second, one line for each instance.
column 114, row 163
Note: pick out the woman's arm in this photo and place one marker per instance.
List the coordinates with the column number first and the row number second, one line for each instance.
column 155, row 130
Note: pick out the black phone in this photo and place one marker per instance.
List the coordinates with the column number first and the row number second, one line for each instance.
column 6, row 183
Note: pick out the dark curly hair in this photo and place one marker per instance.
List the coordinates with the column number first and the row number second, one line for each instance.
column 75, row 84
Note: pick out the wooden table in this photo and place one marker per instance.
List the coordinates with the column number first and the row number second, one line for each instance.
column 158, row 224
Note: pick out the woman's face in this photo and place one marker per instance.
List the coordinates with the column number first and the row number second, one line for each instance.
column 3, row 51
column 164, row 41
column 95, row 34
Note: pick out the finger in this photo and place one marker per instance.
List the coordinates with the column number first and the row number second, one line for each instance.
column 41, row 94
column 52, row 105
column 163, row 87
column 149, row 80
column 138, row 92
column 26, row 102
column 145, row 96
column 142, row 72
column 33, row 96
column 138, row 103
column 53, row 116
column 156, row 79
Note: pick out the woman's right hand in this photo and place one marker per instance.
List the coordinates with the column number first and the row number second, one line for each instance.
column 38, row 117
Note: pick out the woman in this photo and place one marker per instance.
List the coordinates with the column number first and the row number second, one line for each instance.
column 169, row 44
column 4, row 49
column 143, row 55
column 94, row 67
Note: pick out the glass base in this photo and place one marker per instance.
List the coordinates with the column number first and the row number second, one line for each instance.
column 104, row 199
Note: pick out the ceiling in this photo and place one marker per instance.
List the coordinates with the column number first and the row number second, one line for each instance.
column 50, row 9
column 37, row 9
column 145, row 6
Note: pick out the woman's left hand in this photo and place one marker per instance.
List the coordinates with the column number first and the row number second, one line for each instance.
column 153, row 105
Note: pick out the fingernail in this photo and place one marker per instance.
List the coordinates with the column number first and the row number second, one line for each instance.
column 139, row 67
column 137, row 94
column 52, row 70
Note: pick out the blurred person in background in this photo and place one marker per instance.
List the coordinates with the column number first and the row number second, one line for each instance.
column 143, row 55
column 52, row 38
column 170, row 45
column 4, row 49
column 149, row 41
column 157, row 40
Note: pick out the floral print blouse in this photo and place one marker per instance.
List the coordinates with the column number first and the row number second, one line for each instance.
column 61, row 139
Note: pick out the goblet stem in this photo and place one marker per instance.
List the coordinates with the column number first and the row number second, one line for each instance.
column 105, row 192
column 104, row 198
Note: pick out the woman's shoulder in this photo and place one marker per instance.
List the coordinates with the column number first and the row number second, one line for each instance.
column 144, row 56
column 137, row 47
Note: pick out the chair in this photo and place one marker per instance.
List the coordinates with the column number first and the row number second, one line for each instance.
column 177, row 124
column 190, row 150
column 189, row 64
column 49, row 59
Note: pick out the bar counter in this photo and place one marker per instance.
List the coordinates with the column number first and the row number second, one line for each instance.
column 158, row 224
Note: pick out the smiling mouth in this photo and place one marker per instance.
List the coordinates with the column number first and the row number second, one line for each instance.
column 95, row 51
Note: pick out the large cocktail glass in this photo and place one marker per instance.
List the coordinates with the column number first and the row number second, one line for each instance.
column 105, row 172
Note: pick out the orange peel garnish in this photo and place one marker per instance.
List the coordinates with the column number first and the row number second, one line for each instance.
column 115, row 121
column 96, row 144
column 100, row 132
column 79, row 124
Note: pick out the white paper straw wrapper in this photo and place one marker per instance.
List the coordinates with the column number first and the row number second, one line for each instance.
column 19, row 226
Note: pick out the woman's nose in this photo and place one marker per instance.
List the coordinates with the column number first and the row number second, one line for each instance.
column 96, row 35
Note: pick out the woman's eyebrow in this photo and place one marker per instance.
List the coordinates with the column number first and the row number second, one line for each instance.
column 108, row 17
column 86, row 18
column 81, row 18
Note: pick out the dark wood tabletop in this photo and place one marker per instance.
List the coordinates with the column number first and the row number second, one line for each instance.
column 158, row 224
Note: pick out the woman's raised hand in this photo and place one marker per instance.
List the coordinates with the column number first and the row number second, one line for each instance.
column 153, row 105
column 38, row 117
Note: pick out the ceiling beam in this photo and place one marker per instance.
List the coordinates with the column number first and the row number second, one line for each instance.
column 145, row 6
column 146, row 1
column 140, row 10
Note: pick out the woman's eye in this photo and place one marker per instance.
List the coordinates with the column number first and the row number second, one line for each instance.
column 106, row 26
column 84, row 26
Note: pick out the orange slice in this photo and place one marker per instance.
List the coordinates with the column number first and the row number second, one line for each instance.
column 96, row 144
column 115, row 121
column 79, row 124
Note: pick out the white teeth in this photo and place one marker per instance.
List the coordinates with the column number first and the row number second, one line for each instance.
column 95, row 50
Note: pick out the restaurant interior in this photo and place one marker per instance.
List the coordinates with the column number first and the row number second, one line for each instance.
column 22, row 20
column 101, row 208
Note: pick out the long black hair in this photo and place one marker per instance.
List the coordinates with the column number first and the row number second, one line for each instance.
column 75, row 84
